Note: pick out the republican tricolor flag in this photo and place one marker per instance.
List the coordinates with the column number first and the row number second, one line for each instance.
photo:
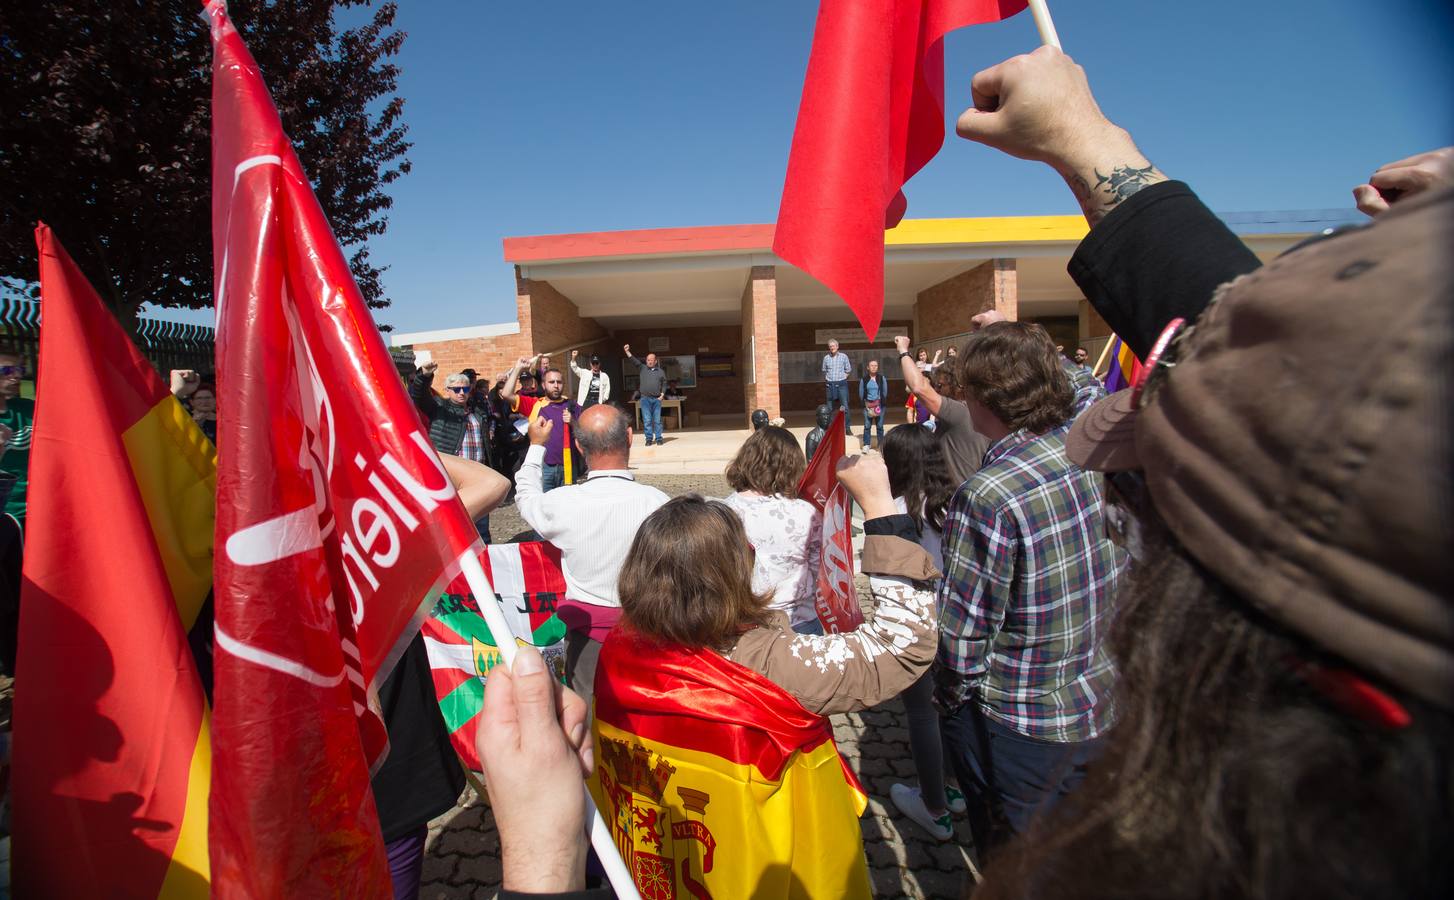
column 112, row 755
column 1124, row 368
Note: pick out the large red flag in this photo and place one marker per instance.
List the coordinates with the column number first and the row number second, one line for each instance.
column 871, row 116
column 336, row 523
column 112, row 757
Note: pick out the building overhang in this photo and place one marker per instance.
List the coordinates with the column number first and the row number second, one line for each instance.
column 696, row 276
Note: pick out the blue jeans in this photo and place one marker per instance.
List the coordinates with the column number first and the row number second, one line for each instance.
column 868, row 422
column 551, row 477
column 838, row 391
column 651, row 418
column 1008, row 778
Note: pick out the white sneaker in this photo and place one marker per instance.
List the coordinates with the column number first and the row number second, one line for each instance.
column 911, row 804
column 956, row 800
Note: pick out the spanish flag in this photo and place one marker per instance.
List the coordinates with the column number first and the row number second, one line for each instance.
column 717, row 783
column 112, row 758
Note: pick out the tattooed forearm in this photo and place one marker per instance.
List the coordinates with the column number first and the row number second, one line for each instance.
column 1110, row 189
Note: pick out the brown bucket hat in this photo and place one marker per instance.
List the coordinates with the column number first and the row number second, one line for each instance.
column 1296, row 440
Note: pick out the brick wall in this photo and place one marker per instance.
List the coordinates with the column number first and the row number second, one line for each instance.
column 488, row 356
column 549, row 321
column 947, row 307
column 550, row 318
column 760, row 331
column 711, row 396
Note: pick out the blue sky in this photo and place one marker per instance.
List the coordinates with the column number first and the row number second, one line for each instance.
column 563, row 116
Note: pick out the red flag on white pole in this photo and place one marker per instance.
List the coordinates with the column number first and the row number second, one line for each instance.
column 837, row 600
column 822, row 472
column 336, row 523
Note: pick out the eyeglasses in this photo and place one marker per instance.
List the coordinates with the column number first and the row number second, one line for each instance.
column 459, row 389
column 1161, row 360
column 12, row 371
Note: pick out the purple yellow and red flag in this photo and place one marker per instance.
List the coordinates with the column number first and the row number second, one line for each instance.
column 715, row 782
column 112, row 754
column 871, row 116
column 337, row 525
column 1124, row 367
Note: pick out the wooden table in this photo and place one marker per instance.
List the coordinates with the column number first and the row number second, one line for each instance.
column 665, row 406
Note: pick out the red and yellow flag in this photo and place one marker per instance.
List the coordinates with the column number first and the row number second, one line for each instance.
column 716, row 782
column 112, row 754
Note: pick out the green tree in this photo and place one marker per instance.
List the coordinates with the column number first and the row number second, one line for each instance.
column 105, row 133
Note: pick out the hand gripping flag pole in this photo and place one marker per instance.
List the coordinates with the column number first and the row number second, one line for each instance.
column 601, row 840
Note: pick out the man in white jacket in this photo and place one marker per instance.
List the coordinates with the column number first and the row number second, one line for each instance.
column 594, row 385
column 593, row 523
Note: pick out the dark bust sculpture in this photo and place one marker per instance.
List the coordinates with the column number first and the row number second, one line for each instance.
column 759, row 419
column 825, row 416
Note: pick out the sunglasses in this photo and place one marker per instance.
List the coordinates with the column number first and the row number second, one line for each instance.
column 12, row 371
column 459, row 389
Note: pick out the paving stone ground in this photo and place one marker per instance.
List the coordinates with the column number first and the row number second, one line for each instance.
column 462, row 859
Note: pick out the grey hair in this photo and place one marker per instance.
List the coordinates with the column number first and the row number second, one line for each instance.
column 456, row 378
column 609, row 437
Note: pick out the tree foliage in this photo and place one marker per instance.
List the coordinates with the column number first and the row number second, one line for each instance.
column 105, row 133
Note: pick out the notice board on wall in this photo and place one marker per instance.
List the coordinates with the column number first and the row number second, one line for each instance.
column 681, row 369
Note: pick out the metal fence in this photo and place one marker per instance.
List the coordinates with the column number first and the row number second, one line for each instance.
column 169, row 345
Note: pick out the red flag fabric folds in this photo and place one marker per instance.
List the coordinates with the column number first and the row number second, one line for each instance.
column 112, row 756
column 872, row 115
column 336, row 523
column 821, row 475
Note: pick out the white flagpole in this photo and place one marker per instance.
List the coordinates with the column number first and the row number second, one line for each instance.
column 1041, row 12
column 601, row 839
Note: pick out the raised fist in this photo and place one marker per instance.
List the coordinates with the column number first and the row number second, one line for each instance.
column 988, row 317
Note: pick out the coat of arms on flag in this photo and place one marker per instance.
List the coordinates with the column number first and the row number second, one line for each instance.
column 528, row 581
column 715, row 782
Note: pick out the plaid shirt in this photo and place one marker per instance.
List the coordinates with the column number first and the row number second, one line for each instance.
column 472, row 446
column 1029, row 576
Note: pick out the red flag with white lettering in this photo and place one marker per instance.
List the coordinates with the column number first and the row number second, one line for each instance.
column 336, row 523
column 837, row 601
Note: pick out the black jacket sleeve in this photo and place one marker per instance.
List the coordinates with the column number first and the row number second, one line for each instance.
column 421, row 392
column 1159, row 255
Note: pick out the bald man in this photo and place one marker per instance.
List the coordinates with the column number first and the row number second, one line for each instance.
column 593, row 523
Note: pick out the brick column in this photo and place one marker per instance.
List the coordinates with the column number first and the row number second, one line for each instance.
column 759, row 341
column 523, row 310
column 947, row 307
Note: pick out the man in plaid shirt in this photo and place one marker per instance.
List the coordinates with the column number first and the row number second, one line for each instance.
column 1022, row 672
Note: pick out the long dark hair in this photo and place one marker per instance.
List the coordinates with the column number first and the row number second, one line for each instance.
column 918, row 473
column 1228, row 776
